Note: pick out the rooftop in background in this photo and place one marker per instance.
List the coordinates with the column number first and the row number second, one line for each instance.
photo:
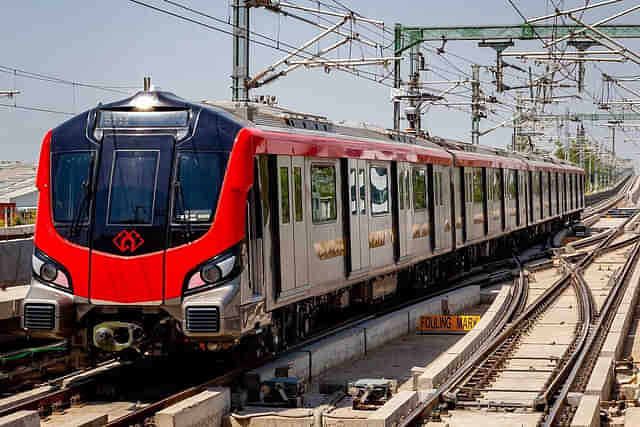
column 16, row 179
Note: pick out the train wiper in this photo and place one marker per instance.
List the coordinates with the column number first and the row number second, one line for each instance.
column 186, row 222
column 74, row 231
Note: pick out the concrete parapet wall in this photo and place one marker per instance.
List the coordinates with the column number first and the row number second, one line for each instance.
column 613, row 344
column 588, row 412
column 205, row 409
column 430, row 307
column 601, row 378
column 21, row 419
column 316, row 358
column 337, row 349
column 305, row 418
column 603, row 374
column 632, row 417
column 11, row 301
column 439, row 370
column 462, row 299
column 15, row 261
column 17, row 231
column 396, row 409
column 379, row 331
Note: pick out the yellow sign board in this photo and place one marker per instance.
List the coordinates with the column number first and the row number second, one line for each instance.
column 438, row 323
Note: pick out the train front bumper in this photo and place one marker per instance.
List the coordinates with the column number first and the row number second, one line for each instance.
column 47, row 311
column 213, row 314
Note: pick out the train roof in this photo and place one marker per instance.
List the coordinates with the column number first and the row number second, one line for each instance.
column 275, row 121
column 317, row 135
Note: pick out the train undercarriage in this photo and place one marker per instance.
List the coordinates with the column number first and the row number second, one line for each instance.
column 136, row 332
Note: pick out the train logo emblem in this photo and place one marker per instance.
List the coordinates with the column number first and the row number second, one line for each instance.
column 128, row 241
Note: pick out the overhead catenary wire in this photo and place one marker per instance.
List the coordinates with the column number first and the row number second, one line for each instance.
column 17, row 72
column 40, row 109
column 358, row 73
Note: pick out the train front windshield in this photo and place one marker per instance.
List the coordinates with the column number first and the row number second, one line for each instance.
column 133, row 185
column 198, row 185
column 71, row 173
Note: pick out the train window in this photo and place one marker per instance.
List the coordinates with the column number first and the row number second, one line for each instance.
column 468, row 189
column 142, row 119
column 71, row 172
column 297, row 192
column 284, row 195
column 497, row 188
column 401, row 190
column 406, row 189
column 199, row 181
column 511, row 184
column 323, row 193
column 379, row 190
column 353, row 193
column 363, row 196
column 133, row 187
column 263, row 167
column 437, row 188
column 478, row 192
column 419, row 189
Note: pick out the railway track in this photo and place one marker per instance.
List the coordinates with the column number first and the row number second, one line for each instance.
column 25, row 366
column 518, row 368
column 592, row 214
column 84, row 389
column 89, row 386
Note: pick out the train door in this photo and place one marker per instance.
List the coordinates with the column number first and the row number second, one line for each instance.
column 510, row 203
column 363, row 212
column 292, row 225
column 380, row 220
column 299, row 218
column 442, row 208
column 546, row 194
column 562, row 204
column 554, row 193
column 358, row 221
column 403, row 207
column 285, row 226
column 438, row 220
column 325, row 231
column 418, row 216
column 253, row 288
column 570, row 191
column 354, row 217
column 458, row 204
column 468, row 203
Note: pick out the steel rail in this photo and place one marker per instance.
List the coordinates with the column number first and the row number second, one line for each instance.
column 84, row 387
column 587, row 313
column 139, row 416
column 605, row 204
column 604, row 319
column 515, row 302
column 494, row 342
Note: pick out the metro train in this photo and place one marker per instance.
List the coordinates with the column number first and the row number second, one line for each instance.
column 165, row 223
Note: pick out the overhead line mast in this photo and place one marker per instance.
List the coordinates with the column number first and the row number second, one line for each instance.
column 501, row 37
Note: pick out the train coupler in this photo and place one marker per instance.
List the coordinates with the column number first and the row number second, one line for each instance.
column 117, row 336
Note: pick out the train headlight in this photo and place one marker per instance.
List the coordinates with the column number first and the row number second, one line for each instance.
column 214, row 271
column 210, row 273
column 50, row 271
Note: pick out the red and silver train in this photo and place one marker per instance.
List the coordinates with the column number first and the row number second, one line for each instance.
column 164, row 222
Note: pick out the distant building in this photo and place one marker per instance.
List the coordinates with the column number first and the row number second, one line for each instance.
column 18, row 193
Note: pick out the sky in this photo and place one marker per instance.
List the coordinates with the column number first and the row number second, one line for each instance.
column 116, row 43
